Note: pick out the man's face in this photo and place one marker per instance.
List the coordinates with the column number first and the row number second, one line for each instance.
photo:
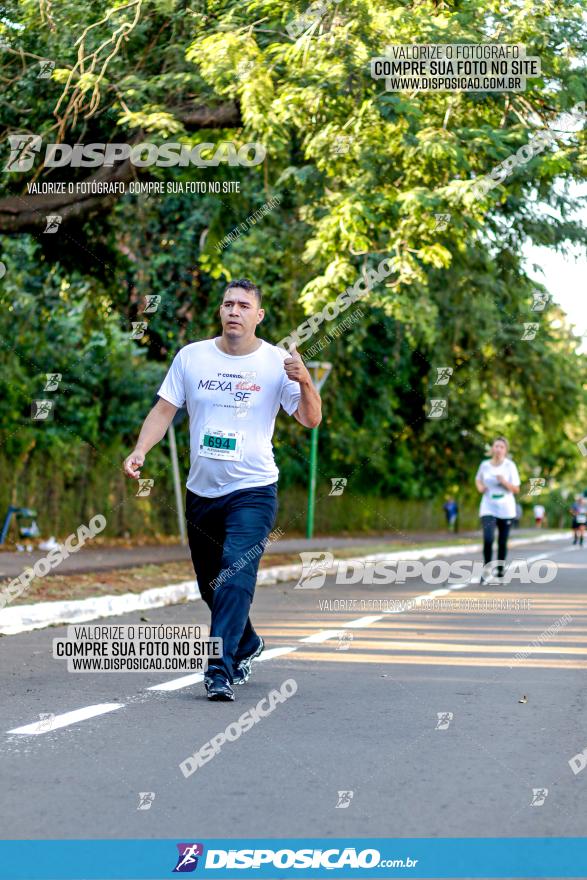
column 240, row 313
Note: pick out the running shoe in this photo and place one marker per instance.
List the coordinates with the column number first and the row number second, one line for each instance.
column 242, row 671
column 218, row 687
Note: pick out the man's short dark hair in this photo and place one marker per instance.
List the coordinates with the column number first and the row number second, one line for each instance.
column 247, row 285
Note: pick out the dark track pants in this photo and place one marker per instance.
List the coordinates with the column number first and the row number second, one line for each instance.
column 225, row 536
column 490, row 523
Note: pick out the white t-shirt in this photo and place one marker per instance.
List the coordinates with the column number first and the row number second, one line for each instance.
column 232, row 402
column 539, row 511
column 497, row 501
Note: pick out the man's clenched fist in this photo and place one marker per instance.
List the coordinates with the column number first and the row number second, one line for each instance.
column 133, row 464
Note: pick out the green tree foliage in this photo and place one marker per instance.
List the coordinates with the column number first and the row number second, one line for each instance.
column 360, row 174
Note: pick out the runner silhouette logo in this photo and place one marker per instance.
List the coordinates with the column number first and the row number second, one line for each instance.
column 188, row 857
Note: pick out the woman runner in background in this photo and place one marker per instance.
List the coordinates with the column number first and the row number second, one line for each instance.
column 498, row 482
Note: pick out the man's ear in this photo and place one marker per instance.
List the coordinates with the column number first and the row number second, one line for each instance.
column 260, row 315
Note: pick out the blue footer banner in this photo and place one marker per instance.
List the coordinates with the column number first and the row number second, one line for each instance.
column 276, row 858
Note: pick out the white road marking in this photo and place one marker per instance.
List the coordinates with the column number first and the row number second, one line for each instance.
column 67, row 718
column 362, row 621
column 322, row 636
column 177, row 683
column 275, row 652
column 538, row 556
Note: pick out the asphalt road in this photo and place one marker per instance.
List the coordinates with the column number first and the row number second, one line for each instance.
column 364, row 720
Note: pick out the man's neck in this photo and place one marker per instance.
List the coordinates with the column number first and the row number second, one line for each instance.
column 237, row 346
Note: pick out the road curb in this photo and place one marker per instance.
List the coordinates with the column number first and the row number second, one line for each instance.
column 24, row 618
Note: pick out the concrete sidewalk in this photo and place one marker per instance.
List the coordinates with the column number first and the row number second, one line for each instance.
column 109, row 558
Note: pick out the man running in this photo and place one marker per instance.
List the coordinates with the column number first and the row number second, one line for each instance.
column 232, row 387
column 579, row 512
column 451, row 512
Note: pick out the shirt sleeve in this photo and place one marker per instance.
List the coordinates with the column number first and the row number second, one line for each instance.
column 515, row 477
column 290, row 395
column 479, row 474
column 173, row 388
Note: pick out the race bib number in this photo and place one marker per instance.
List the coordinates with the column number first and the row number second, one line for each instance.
column 221, row 444
column 497, row 495
column 581, row 518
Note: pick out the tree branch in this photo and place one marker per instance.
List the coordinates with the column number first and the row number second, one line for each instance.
column 226, row 115
column 27, row 213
